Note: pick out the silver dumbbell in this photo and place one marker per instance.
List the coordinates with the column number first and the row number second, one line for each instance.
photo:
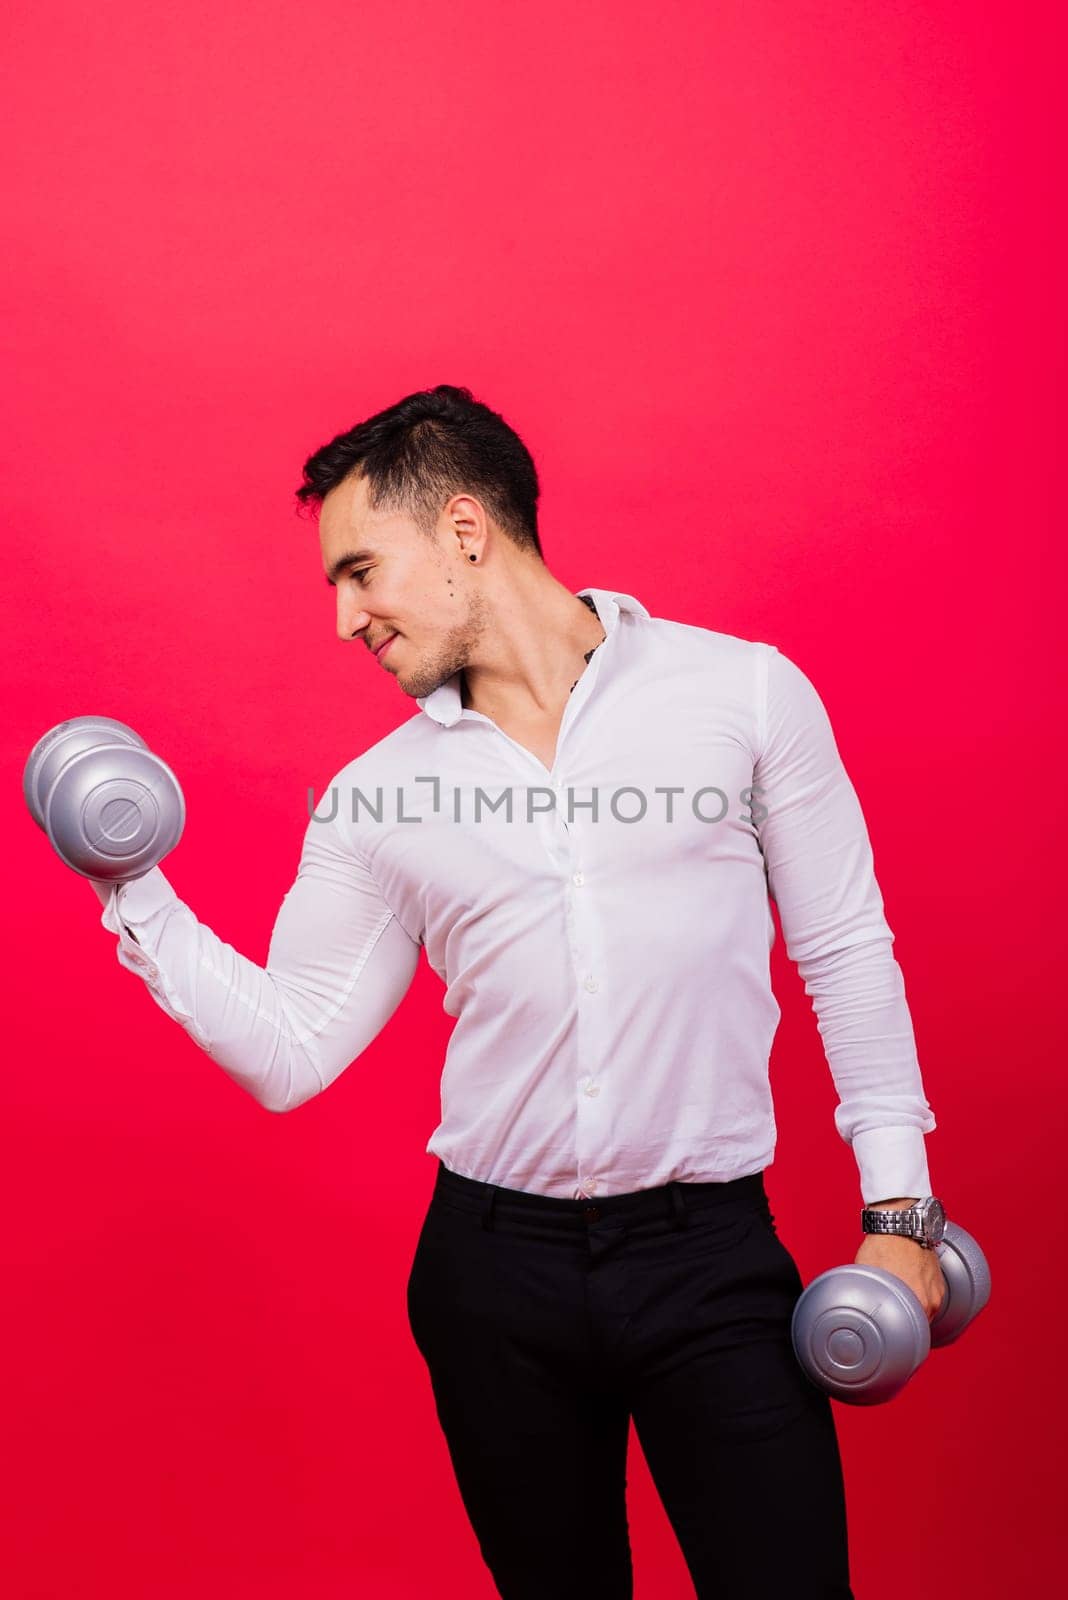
column 860, row 1333
column 111, row 809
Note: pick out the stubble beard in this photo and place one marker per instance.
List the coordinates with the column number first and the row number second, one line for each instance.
column 450, row 655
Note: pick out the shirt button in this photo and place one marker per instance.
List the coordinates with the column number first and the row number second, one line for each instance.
column 579, row 878
column 593, row 1088
column 591, row 985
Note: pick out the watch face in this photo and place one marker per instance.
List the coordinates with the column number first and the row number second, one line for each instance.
column 936, row 1221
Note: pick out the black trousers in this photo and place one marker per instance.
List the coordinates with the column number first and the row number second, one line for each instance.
column 546, row 1324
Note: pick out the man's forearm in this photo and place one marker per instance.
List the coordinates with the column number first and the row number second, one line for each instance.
column 893, row 1205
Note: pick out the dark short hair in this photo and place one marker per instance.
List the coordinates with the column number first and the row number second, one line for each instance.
column 428, row 446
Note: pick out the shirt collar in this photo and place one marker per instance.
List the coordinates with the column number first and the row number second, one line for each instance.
column 445, row 705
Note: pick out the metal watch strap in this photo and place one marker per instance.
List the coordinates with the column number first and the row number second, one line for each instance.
column 873, row 1221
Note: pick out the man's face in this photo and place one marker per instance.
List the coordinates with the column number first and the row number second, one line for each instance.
column 396, row 584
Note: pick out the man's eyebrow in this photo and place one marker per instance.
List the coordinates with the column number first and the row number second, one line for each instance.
column 346, row 561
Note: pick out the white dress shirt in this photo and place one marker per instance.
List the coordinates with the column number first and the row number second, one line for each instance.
column 604, row 949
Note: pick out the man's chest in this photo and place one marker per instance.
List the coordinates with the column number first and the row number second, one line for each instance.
column 540, row 737
column 635, row 793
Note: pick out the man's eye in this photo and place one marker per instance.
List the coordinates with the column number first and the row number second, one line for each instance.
column 362, row 574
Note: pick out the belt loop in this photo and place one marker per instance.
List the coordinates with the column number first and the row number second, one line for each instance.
column 487, row 1205
column 678, row 1204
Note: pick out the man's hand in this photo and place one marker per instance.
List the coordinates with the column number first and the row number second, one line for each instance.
column 917, row 1267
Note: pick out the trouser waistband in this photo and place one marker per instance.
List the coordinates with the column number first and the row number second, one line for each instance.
column 675, row 1200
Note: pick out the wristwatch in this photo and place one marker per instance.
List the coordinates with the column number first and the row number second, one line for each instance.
column 925, row 1221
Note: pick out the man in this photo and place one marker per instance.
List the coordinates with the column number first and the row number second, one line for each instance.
column 581, row 825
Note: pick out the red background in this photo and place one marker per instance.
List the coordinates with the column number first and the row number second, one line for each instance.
column 774, row 295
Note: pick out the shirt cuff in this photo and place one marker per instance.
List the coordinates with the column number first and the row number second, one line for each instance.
column 892, row 1162
column 142, row 897
column 128, row 912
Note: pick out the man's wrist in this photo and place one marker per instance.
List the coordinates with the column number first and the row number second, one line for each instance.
column 901, row 1203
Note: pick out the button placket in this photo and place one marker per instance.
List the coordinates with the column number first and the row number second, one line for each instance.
column 582, row 923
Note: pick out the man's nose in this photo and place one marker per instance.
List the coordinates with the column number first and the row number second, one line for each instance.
column 351, row 621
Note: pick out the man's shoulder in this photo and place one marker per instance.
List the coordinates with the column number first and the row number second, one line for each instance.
column 393, row 752
column 710, row 644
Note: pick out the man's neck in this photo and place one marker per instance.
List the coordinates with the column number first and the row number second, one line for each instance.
column 491, row 707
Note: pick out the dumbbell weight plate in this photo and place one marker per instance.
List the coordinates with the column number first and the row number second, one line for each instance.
column 114, row 811
column 59, row 745
column 859, row 1333
column 967, row 1274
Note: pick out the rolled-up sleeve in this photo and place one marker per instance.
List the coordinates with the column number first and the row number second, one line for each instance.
column 338, row 966
column 820, row 871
